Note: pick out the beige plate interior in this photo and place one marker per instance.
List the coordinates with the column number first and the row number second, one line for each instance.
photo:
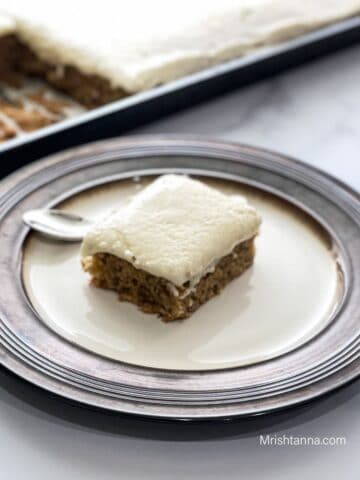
column 283, row 301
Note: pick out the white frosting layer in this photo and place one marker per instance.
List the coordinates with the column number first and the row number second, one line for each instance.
column 7, row 25
column 141, row 43
column 176, row 228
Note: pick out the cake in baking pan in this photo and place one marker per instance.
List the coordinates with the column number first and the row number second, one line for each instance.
column 109, row 51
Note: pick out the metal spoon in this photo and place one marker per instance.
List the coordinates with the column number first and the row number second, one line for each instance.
column 57, row 224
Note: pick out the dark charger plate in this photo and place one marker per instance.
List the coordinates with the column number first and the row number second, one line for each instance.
column 37, row 354
column 122, row 115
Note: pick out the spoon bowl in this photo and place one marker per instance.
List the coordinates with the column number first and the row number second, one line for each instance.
column 57, row 224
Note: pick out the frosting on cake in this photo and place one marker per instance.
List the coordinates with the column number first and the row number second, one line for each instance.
column 177, row 228
column 7, row 25
column 140, row 44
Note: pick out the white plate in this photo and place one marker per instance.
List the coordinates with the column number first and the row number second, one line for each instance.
column 285, row 299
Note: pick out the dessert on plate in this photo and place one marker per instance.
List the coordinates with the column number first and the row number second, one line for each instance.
column 177, row 244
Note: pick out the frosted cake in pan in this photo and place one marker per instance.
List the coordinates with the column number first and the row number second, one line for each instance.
column 102, row 52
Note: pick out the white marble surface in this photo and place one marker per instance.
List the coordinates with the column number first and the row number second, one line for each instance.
column 311, row 113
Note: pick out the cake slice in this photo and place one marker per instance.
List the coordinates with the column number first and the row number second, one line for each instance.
column 177, row 244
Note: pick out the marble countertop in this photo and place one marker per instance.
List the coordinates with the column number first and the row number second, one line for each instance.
column 312, row 113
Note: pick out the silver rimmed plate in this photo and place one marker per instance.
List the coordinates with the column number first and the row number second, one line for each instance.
column 285, row 332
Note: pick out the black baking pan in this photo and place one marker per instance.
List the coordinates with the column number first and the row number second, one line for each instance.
column 123, row 115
